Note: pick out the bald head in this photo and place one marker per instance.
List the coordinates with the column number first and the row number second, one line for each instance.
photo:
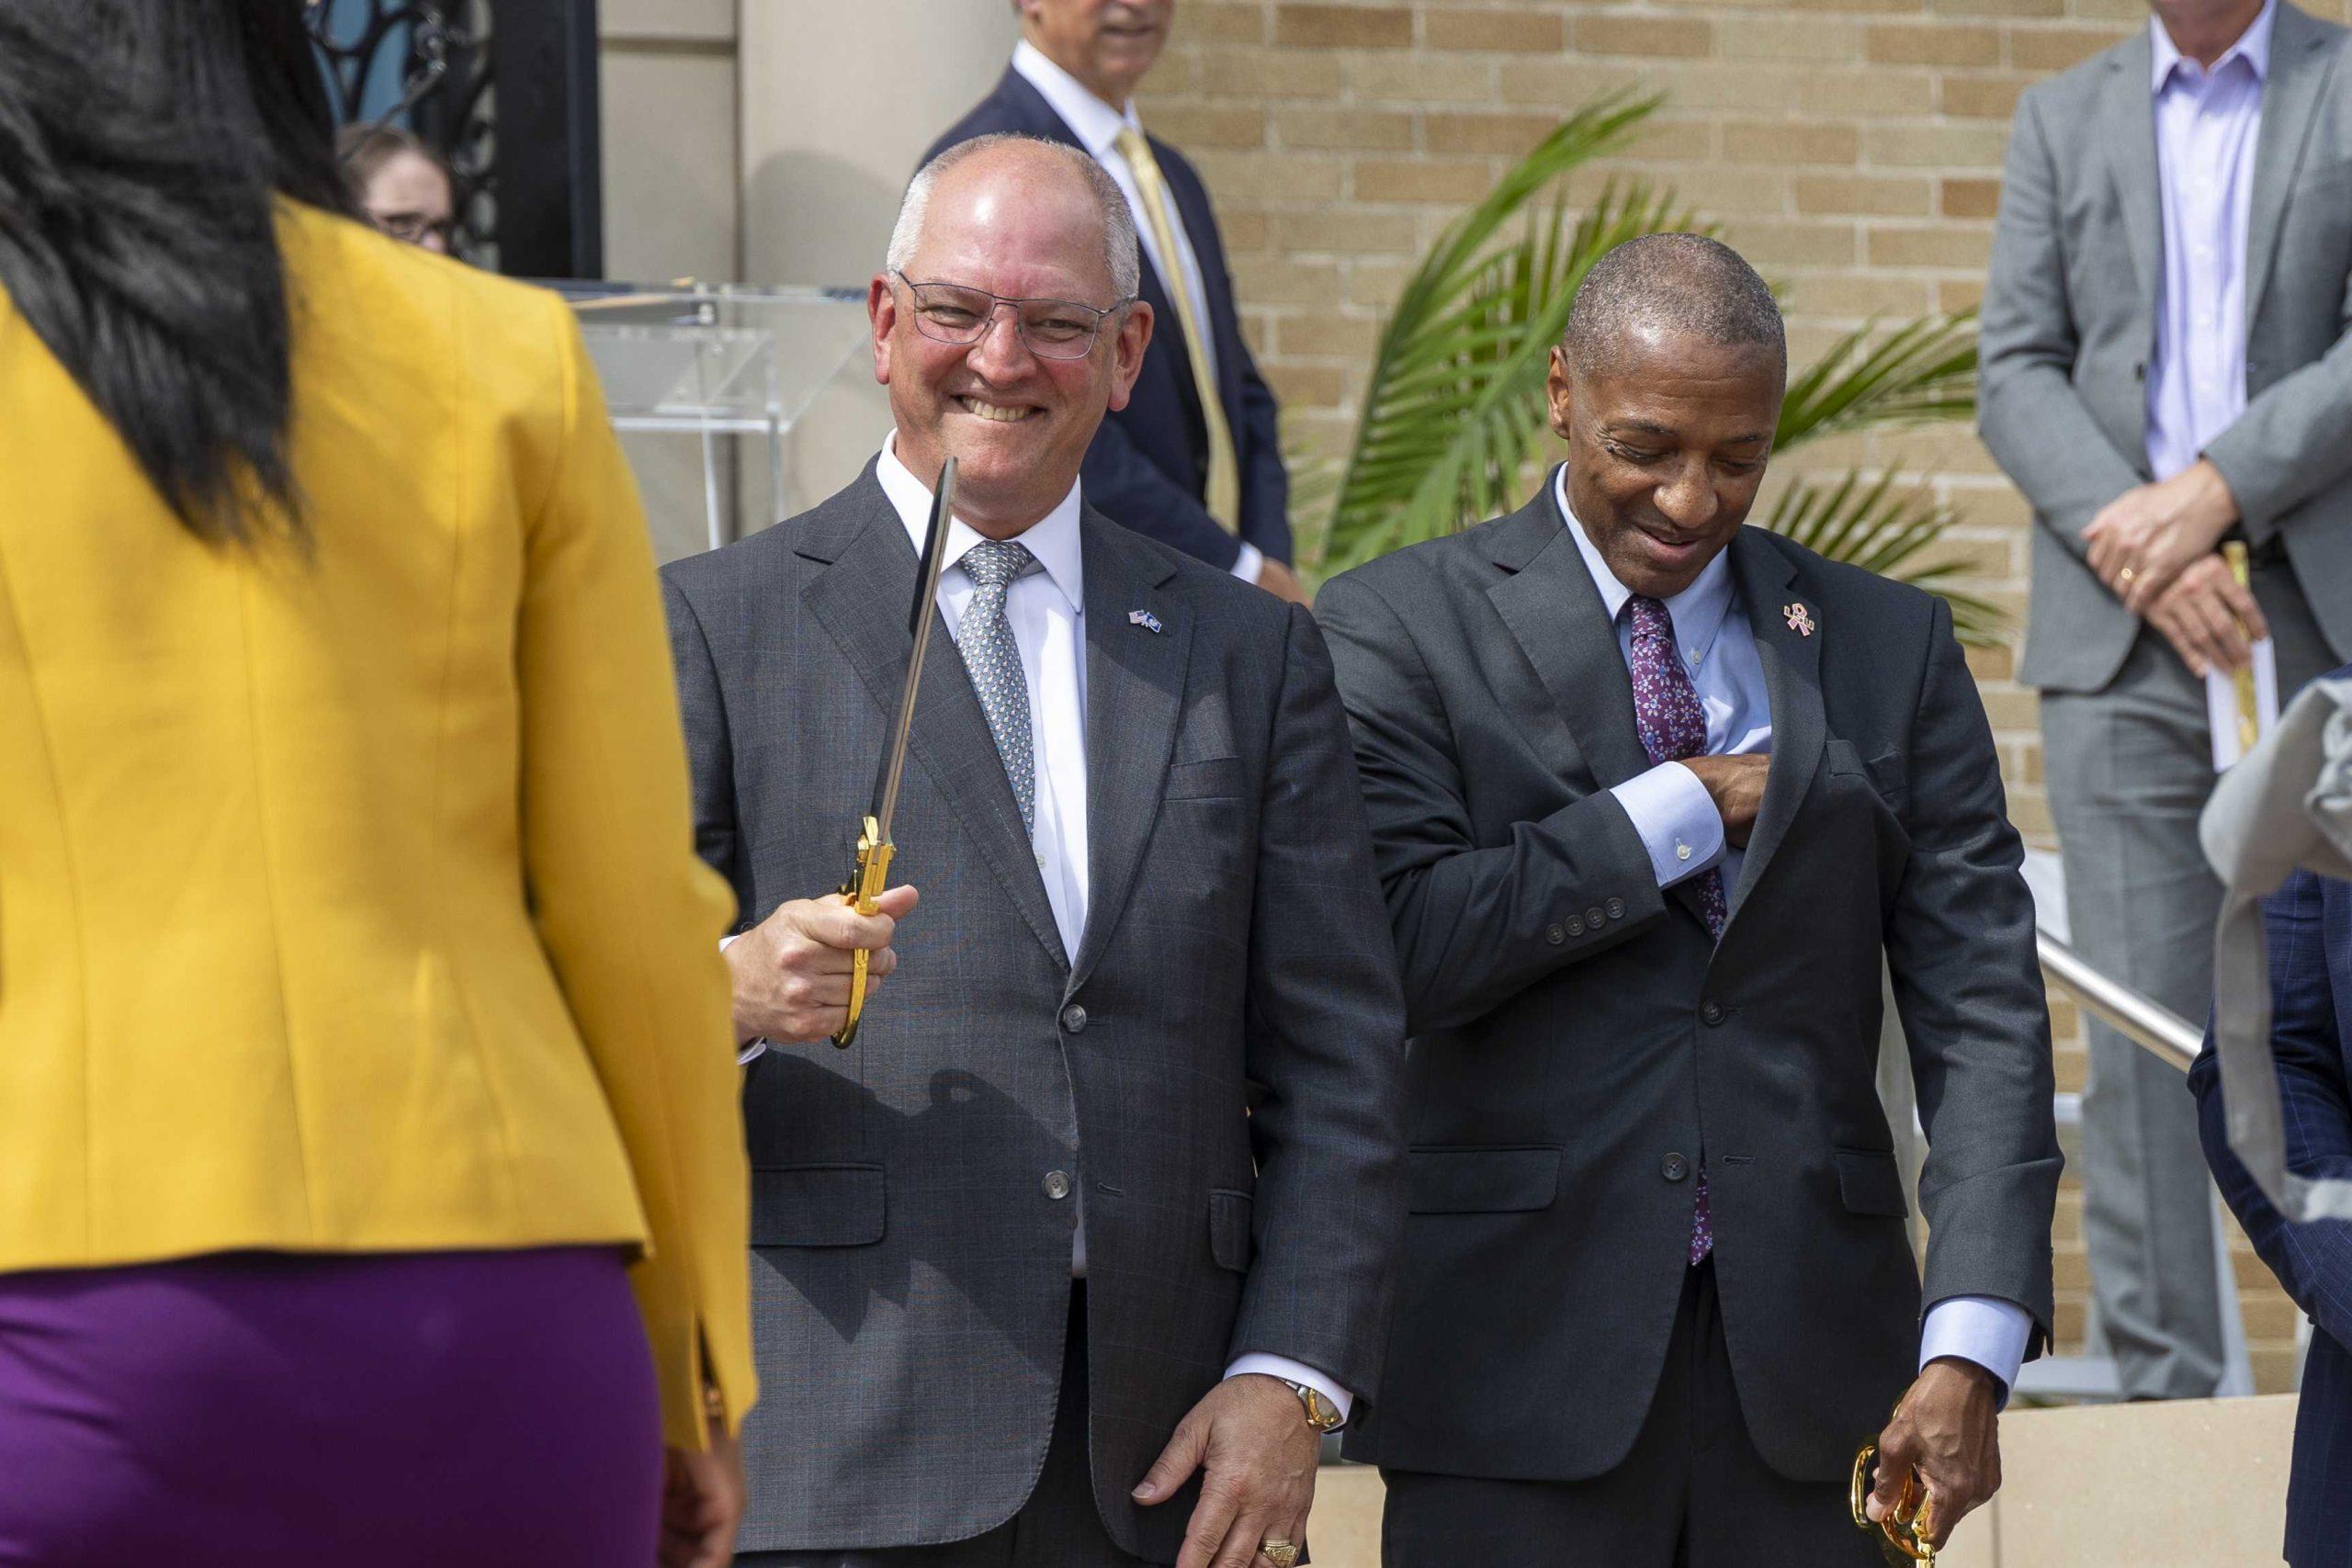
column 1666, row 286
column 1049, row 168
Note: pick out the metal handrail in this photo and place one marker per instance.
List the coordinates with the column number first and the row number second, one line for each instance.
column 2154, row 1028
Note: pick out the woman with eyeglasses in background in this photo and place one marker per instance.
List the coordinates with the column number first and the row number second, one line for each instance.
column 403, row 185
column 372, row 1189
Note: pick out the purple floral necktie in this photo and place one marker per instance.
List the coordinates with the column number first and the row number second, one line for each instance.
column 1673, row 726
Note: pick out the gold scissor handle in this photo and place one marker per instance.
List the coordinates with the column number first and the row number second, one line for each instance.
column 865, row 884
column 1904, row 1530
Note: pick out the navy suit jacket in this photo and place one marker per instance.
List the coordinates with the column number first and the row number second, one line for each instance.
column 1148, row 466
column 2309, row 922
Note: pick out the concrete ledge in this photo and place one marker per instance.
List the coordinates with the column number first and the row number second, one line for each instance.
column 2195, row 1483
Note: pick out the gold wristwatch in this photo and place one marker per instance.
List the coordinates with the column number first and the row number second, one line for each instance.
column 1321, row 1413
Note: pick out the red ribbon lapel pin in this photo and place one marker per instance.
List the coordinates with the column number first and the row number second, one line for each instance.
column 1800, row 619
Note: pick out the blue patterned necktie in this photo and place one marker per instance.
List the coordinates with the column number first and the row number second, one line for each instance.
column 1673, row 727
column 993, row 659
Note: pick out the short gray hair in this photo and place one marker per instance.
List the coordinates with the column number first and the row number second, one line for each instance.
column 1119, row 254
column 1685, row 283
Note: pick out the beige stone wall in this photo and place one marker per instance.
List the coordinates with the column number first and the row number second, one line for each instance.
column 1851, row 148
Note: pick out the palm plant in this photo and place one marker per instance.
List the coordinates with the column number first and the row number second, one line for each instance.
column 1453, row 414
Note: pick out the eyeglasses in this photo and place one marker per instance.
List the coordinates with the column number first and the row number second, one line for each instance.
column 416, row 229
column 1053, row 329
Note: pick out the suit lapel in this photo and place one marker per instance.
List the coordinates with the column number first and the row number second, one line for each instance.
column 1135, row 694
column 2127, row 127
column 1791, row 660
column 1556, row 615
column 2289, row 100
column 861, row 598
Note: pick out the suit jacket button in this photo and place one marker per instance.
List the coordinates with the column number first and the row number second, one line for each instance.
column 1555, row 933
column 1575, row 928
column 1593, row 916
column 1057, row 1185
column 1073, row 1017
column 1674, row 1167
column 1710, row 1014
column 1616, row 908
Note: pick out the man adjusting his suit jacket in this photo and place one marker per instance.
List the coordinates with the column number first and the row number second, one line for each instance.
column 1072, row 1257
column 1193, row 461
column 1653, row 796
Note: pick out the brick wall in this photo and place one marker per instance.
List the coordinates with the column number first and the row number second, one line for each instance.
column 1851, row 149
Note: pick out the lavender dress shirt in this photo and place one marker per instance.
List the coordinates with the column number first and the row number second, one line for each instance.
column 2206, row 126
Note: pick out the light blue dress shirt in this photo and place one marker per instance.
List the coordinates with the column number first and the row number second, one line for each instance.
column 2208, row 123
column 1684, row 834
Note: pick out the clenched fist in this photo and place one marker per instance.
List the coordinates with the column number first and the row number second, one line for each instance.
column 791, row 972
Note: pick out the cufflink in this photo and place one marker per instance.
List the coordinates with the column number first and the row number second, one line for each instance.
column 1681, row 851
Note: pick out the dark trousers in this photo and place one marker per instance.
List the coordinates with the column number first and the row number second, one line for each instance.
column 1693, row 1492
column 1059, row 1526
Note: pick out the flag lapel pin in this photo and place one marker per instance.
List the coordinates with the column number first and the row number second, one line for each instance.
column 1143, row 618
column 1800, row 619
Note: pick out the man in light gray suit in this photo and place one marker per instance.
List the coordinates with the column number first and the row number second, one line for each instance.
column 1106, row 1195
column 2165, row 369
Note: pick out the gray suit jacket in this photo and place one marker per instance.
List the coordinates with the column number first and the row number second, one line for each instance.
column 910, row 1268
column 1579, row 1044
column 2070, row 323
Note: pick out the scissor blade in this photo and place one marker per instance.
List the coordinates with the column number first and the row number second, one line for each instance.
column 919, row 621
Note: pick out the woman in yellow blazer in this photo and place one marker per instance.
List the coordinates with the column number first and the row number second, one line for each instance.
column 363, row 1037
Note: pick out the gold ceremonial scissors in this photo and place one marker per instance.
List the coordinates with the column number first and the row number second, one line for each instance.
column 1902, row 1534
column 870, row 873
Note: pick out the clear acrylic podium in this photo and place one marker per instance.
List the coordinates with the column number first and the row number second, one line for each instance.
column 716, row 363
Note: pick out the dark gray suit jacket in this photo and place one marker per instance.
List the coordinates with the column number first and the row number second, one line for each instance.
column 2070, row 326
column 910, row 1271
column 1579, row 1045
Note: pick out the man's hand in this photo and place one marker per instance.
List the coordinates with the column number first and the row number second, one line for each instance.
column 2148, row 535
column 792, row 971
column 2209, row 617
column 701, row 1503
column 1250, row 1439
column 1947, row 1429
column 1281, row 582
column 1737, row 786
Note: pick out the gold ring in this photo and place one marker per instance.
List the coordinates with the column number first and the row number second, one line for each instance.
column 2125, row 576
column 1280, row 1552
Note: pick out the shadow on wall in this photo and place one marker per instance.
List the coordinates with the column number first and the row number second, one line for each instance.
column 829, row 219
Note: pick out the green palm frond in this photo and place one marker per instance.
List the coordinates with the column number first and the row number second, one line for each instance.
column 1870, row 524
column 1922, row 372
column 1455, row 411
column 1454, row 404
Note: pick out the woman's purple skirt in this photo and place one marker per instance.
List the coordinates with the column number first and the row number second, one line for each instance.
column 267, row 1409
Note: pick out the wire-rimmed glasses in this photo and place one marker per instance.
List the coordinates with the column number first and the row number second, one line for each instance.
column 1053, row 329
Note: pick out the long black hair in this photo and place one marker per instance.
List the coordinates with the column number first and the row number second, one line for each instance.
column 142, row 146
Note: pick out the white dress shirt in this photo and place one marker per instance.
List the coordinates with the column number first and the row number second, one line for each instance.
column 1684, row 834
column 2208, row 123
column 1046, row 610
column 1097, row 126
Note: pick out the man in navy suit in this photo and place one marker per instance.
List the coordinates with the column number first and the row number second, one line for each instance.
column 1193, row 461
column 2308, row 924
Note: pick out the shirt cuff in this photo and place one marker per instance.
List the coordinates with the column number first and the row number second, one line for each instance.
column 757, row 1045
column 1676, row 819
column 1246, row 566
column 1283, row 1367
column 1984, row 1329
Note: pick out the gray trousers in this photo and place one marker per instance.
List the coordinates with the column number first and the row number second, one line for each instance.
column 1059, row 1526
column 2130, row 769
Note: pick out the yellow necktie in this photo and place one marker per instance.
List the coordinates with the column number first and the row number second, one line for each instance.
column 1224, row 474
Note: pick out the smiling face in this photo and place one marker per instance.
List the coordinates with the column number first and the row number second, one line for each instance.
column 1668, row 441
column 1019, row 223
column 1107, row 44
